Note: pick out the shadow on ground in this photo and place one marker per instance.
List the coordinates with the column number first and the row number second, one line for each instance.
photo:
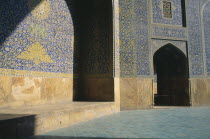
column 65, row 137
column 15, row 126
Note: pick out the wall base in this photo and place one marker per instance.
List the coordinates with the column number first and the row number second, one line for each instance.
column 135, row 93
column 200, row 92
column 29, row 91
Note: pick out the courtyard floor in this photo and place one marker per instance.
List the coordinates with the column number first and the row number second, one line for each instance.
column 153, row 123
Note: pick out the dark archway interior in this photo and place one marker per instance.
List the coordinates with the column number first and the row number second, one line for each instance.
column 171, row 69
column 93, row 50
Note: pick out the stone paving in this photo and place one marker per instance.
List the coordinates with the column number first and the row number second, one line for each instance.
column 153, row 123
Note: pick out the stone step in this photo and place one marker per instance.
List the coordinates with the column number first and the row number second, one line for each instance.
column 22, row 122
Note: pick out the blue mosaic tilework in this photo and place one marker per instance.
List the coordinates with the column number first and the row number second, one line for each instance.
column 206, row 29
column 127, row 42
column 134, row 44
column 194, row 39
column 156, row 44
column 141, row 38
column 157, row 13
column 202, row 2
column 164, row 32
column 42, row 41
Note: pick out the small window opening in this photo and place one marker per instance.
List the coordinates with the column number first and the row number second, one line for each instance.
column 167, row 9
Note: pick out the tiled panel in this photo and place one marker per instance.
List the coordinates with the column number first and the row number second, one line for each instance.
column 42, row 40
column 165, row 32
column 127, row 41
column 157, row 12
column 134, row 44
column 195, row 49
column 142, row 37
column 206, row 31
column 156, row 44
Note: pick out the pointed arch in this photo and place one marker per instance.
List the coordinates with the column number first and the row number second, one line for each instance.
column 171, row 72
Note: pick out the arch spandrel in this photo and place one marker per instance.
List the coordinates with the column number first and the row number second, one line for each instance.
column 157, row 44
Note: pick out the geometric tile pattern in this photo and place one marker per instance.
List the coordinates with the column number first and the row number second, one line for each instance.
column 127, row 40
column 158, row 12
column 166, row 32
column 42, row 41
column 99, row 45
column 134, row 43
column 206, row 37
column 167, row 9
column 195, row 49
column 157, row 44
column 141, row 25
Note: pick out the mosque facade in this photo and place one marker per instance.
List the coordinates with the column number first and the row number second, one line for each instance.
column 135, row 53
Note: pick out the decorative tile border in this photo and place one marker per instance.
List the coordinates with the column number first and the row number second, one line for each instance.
column 116, row 39
column 169, row 32
column 157, row 44
column 12, row 72
column 206, row 33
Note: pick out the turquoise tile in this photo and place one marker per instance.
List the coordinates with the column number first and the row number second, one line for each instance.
column 190, row 123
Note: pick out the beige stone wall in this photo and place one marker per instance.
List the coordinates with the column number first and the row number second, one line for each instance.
column 135, row 93
column 117, row 93
column 200, row 92
column 22, row 91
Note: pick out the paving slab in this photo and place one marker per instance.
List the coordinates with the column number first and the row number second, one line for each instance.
column 161, row 123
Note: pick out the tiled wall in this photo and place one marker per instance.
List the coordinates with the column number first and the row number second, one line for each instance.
column 206, row 33
column 36, row 36
column 168, row 32
column 157, row 10
column 195, row 48
column 134, row 38
column 157, row 44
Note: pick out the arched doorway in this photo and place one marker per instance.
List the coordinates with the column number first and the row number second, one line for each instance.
column 171, row 75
